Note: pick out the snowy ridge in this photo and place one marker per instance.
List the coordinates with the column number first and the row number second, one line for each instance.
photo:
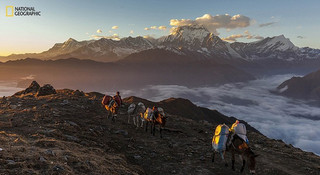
column 190, row 33
column 280, row 43
column 277, row 47
column 232, row 52
column 64, row 48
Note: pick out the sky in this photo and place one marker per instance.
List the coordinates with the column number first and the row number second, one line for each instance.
column 246, row 21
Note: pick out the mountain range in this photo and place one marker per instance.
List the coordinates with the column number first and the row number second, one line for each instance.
column 273, row 53
column 189, row 56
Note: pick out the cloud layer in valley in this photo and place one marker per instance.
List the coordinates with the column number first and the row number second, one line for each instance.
column 277, row 117
column 8, row 88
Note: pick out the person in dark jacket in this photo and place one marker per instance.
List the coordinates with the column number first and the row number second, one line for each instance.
column 118, row 99
column 155, row 112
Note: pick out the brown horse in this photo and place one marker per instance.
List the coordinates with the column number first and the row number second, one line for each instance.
column 158, row 120
column 112, row 109
column 240, row 147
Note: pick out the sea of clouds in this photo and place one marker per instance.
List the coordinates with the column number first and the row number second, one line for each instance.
column 8, row 88
column 277, row 117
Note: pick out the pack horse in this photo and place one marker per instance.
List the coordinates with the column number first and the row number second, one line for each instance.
column 235, row 141
column 112, row 104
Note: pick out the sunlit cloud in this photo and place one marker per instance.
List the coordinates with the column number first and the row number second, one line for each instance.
column 212, row 23
column 233, row 37
column 162, row 28
column 247, row 35
column 156, row 28
column 30, row 77
column 99, row 31
column 115, row 27
column 114, row 37
column 149, row 36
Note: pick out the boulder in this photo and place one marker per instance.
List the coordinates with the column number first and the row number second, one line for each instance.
column 46, row 90
column 33, row 88
column 78, row 93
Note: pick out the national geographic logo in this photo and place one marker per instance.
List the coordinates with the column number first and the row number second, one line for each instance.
column 21, row 11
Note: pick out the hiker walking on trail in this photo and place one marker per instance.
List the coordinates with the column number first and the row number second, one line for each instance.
column 118, row 101
column 155, row 112
column 117, row 98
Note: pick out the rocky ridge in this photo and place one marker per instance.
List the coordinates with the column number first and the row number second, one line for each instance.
column 306, row 87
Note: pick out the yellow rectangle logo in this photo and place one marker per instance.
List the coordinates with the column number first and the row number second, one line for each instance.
column 9, row 11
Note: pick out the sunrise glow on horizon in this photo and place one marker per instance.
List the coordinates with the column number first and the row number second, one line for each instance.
column 244, row 21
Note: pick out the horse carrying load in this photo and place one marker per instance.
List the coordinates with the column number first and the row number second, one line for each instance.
column 112, row 104
column 148, row 115
column 240, row 130
column 220, row 138
column 235, row 141
column 135, row 111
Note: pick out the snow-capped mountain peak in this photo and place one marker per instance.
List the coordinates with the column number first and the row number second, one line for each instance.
column 70, row 43
column 135, row 42
column 70, row 40
column 190, row 33
column 193, row 38
column 280, row 43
